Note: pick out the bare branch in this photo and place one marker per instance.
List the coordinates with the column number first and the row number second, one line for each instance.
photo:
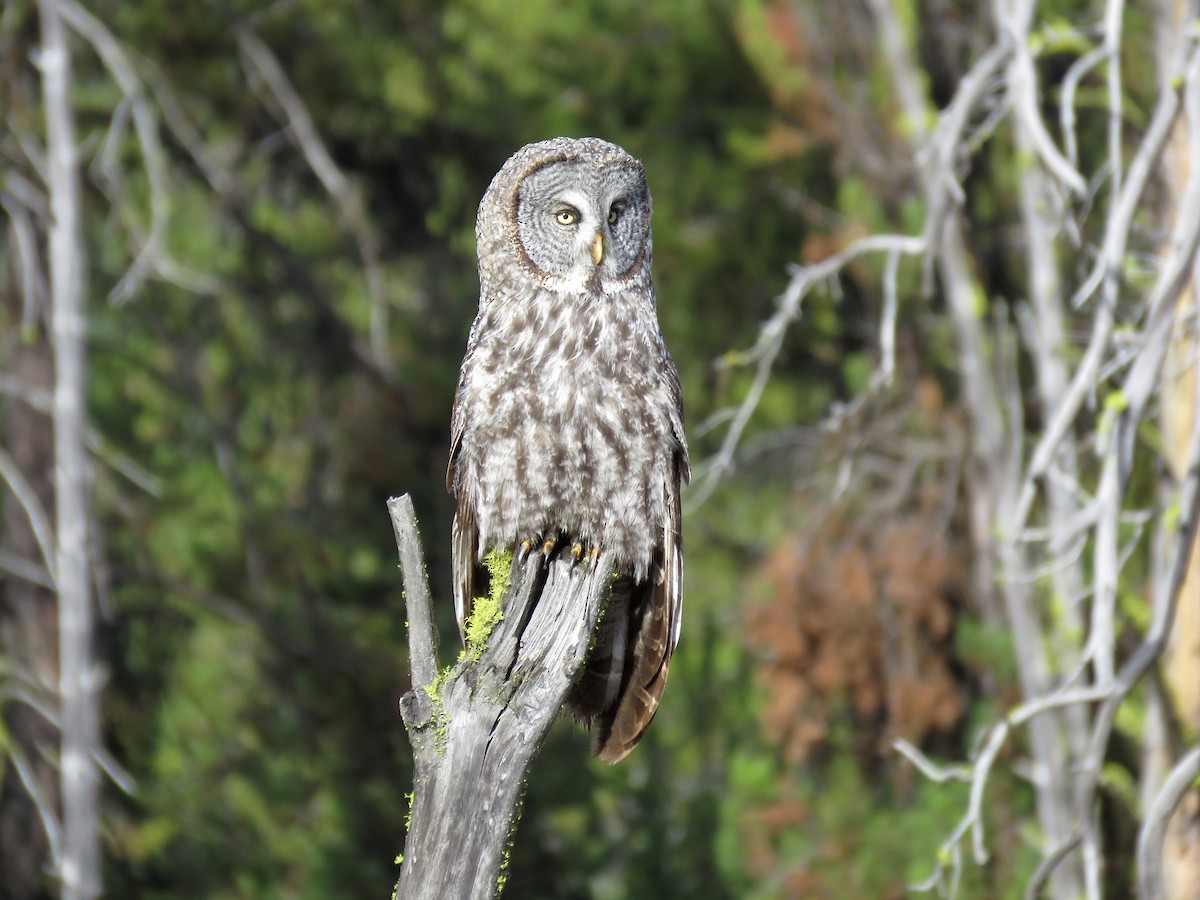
column 1139, row 387
column 152, row 255
column 1158, row 817
column 39, row 521
column 1114, row 11
column 1105, row 272
column 980, row 771
column 422, row 635
column 231, row 189
column 31, row 572
column 80, row 864
column 1049, row 864
column 1022, row 85
column 928, row 767
column 42, row 699
column 45, row 810
column 770, row 341
column 41, row 400
column 1039, row 514
column 1164, row 608
column 26, row 262
column 887, row 322
column 1070, row 86
column 345, row 195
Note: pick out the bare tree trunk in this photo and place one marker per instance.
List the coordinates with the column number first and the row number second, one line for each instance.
column 77, row 683
column 1043, row 524
column 993, row 477
column 1059, row 738
column 476, row 728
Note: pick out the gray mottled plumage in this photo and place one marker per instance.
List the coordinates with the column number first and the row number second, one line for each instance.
column 568, row 419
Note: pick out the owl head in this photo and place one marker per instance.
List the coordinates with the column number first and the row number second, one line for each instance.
column 572, row 213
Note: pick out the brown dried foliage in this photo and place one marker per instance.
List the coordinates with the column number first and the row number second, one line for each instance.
column 858, row 621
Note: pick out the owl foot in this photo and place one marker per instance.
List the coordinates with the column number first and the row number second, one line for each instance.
column 526, row 547
column 578, row 555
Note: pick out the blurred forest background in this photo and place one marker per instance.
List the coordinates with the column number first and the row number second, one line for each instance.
column 930, row 488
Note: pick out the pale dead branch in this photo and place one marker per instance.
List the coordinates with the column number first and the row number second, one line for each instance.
column 1158, row 816
column 347, row 197
column 151, row 255
column 39, row 521
column 79, row 866
column 1043, row 523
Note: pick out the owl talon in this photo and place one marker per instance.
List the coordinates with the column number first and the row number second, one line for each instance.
column 576, row 553
column 523, row 551
column 548, row 548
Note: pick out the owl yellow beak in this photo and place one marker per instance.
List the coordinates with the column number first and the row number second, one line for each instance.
column 598, row 248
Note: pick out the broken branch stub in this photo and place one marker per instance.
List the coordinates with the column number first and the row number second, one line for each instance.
column 477, row 726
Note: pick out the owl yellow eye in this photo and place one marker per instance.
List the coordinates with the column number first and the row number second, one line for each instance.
column 614, row 213
column 565, row 217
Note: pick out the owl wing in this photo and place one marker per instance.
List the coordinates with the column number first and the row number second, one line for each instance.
column 464, row 534
column 672, row 591
column 656, row 611
column 671, row 597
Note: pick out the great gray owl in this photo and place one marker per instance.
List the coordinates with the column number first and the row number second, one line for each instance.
column 568, row 418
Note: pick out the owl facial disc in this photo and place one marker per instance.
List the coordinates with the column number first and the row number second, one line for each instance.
column 583, row 225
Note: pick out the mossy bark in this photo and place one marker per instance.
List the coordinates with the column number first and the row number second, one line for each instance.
column 475, row 736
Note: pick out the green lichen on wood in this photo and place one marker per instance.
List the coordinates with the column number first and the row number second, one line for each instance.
column 440, row 719
column 593, row 637
column 487, row 612
column 502, row 875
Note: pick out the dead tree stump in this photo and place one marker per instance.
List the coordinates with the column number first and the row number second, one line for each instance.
column 476, row 727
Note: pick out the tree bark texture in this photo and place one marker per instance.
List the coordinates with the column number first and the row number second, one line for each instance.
column 476, row 728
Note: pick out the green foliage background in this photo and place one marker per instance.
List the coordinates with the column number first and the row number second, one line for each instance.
column 255, row 628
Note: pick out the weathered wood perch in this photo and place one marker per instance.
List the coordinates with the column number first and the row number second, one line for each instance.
column 476, row 728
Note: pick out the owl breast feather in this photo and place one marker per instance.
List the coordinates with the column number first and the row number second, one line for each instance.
column 568, row 426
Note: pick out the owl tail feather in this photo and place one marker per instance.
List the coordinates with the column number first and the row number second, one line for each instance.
column 626, row 673
column 599, row 685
